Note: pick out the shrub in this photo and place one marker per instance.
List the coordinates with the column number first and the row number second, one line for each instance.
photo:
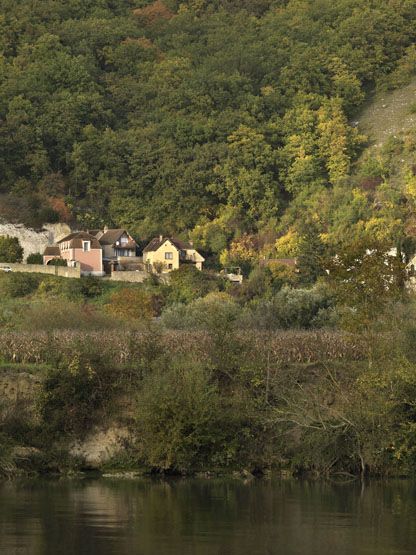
column 10, row 249
column 17, row 420
column 63, row 315
column 258, row 284
column 188, row 283
column 74, row 392
column 134, row 303
column 265, row 282
column 58, row 262
column 73, row 289
column 290, row 308
column 216, row 309
column 88, row 287
column 185, row 423
column 52, row 286
column 19, row 284
column 283, row 275
column 178, row 316
column 34, row 258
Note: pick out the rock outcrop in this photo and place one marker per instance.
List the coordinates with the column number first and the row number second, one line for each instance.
column 35, row 241
column 101, row 445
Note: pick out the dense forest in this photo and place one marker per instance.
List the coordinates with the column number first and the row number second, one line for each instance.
column 230, row 122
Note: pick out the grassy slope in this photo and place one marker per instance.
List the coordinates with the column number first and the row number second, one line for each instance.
column 389, row 114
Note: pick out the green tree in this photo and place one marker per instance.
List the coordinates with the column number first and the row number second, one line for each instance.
column 187, row 283
column 184, row 422
column 248, row 178
column 311, row 253
column 34, row 258
column 10, row 249
column 366, row 278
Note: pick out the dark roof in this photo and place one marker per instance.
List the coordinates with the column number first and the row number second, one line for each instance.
column 68, row 237
column 111, row 236
column 77, row 237
column 53, row 250
column 181, row 245
column 94, row 232
column 157, row 242
column 154, row 244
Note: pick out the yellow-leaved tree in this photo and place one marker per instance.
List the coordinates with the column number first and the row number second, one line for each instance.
column 338, row 141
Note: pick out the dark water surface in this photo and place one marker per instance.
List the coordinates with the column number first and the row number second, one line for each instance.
column 206, row 517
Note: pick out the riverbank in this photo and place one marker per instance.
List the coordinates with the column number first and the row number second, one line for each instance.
column 326, row 404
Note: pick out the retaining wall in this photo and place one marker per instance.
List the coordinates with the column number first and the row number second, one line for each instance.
column 133, row 277
column 62, row 271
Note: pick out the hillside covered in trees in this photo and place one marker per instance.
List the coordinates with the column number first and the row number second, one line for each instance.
column 228, row 121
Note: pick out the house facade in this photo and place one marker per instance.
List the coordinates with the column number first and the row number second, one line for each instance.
column 117, row 243
column 79, row 248
column 119, row 248
column 164, row 254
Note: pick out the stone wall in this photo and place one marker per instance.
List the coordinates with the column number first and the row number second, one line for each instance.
column 133, row 277
column 62, row 271
column 131, row 263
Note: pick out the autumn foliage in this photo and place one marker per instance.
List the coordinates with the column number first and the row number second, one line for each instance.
column 153, row 13
column 134, row 304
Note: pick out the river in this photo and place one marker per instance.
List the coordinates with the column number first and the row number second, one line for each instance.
column 206, row 517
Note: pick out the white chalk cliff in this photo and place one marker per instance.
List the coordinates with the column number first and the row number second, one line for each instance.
column 35, row 241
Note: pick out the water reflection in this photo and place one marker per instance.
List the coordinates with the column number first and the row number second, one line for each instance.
column 221, row 517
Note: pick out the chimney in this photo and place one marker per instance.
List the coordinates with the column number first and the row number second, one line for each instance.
column 160, row 238
column 105, row 229
column 191, row 243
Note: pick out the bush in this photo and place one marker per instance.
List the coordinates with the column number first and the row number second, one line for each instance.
column 63, row 315
column 134, row 304
column 259, row 284
column 88, row 287
column 290, row 308
column 17, row 421
column 185, row 423
column 73, row 289
column 10, row 249
column 216, row 309
column 18, row 284
column 188, row 284
column 52, row 286
column 58, row 262
column 74, row 392
column 34, row 258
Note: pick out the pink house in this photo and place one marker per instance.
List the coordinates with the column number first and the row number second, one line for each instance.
column 79, row 248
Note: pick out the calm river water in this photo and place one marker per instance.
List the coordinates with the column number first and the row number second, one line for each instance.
column 206, row 517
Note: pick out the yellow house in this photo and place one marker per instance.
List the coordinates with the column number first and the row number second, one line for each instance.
column 164, row 254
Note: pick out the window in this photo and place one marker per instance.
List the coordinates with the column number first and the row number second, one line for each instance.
column 170, row 266
column 86, row 246
column 168, row 255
